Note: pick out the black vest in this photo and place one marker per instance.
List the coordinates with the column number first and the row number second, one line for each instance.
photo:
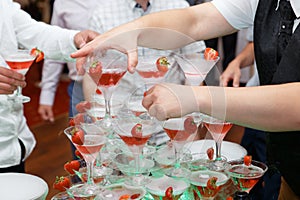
column 283, row 148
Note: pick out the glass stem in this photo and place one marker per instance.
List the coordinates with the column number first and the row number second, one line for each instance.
column 218, row 150
column 107, row 107
column 137, row 162
column 19, row 91
column 90, row 169
column 177, row 161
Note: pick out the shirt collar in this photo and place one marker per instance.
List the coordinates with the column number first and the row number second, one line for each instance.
column 295, row 5
column 133, row 4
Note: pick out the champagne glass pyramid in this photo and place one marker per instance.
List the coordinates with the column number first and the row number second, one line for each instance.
column 180, row 131
column 135, row 132
column 195, row 66
column 245, row 173
column 218, row 130
column 106, row 70
column 20, row 61
column 89, row 144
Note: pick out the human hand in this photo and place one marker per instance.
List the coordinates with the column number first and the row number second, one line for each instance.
column 125, row 42
column 9, row 80
column 165, row 101
column 83, row 37
column 231, row 73
column 46, row 112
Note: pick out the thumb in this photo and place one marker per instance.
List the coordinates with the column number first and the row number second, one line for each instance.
column 132, row 60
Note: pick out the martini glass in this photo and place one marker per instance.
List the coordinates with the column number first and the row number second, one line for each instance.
column 93, row 141
column 195, row 66
column 20, row 61
column 135, row 138
column 180, row 131
column 218, row 130
column 244, row 177
column 199, row 181
column 148, row 70
column 106, row 70
column 159, row 185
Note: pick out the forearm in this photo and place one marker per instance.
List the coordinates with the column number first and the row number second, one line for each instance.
column 270, row 108
column 160, row 30
column 246, row 56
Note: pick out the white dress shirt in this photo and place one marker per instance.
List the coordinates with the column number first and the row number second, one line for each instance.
column 240, row 13
column 69, row 14
column 17, row 28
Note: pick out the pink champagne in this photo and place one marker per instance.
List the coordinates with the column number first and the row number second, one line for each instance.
column 91, row 147
column 138, row 141
column 218, row 130
column 110, row 77
column 177, row 135
column 22, row 65
column 151, row 74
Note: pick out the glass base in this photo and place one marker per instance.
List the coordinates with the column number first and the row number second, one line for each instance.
column 19, row 98
column 177, row 172
column 84, row 191
column 138, row 180
column 23, row 99
column 218, row 165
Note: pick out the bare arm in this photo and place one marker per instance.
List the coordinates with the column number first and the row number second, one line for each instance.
column 233, row 70
column 271, row 108
column 160, row 30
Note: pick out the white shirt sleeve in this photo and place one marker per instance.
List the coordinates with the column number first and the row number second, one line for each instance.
column 55, row 42
column 50, row 78
column 239, row 13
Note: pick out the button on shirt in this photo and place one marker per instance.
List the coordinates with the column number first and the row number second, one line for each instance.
column 16, row 24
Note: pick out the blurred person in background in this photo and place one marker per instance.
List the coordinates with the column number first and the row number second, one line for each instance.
column 69, row 14
column 17, row 30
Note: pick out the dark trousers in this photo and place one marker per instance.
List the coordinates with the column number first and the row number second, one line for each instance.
column 20, row 168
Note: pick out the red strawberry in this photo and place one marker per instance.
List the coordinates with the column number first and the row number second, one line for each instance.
column 212, row 183
column 72, row 166
column 210, row 54
column 61, row 183
column 98, row 91
column 210, row 153
column 190, row 125
column 78, row 154
column 247, row 160
column 71, row 122
column 136, row 131
column 162, row 64
column 83, row 106
column 124, row 197
column 229, row 198
column 95, row 71
column 135, row 196
column 78, row 137
column 168, row 194
column 38, row 53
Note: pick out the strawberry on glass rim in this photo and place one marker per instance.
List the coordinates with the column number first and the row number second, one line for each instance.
column 38, row 54
column 162, row 64
column 210, row 54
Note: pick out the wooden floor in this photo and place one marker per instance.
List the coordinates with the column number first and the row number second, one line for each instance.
column 51, row 153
